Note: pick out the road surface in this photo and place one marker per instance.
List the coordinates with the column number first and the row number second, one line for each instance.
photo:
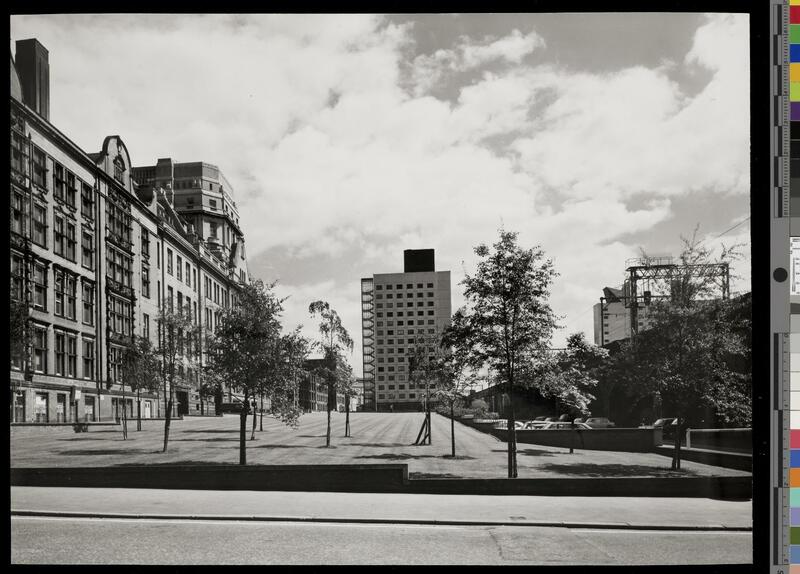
column 47, row 540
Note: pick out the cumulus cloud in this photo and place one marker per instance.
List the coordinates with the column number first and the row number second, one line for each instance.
column 331, row 155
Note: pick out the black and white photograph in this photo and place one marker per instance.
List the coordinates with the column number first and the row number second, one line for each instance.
column 381, row 289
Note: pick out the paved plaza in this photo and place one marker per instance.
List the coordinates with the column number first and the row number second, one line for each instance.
column 376, row 438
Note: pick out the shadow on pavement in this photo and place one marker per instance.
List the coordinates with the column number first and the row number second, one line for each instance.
column 106, row 451
column 535, row 452
column 384, row 444
column 406, row 456
column 611, row 470
column 176, row 463
column 281, row 446
column 209, row 431
column 219, row 439
column 418, row 475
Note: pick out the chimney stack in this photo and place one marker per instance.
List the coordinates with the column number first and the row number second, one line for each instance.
column 33, row 66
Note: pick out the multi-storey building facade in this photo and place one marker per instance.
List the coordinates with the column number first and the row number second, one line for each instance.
column 94, row 255
column 612, row 316
column 397, row 310
column 313, row 390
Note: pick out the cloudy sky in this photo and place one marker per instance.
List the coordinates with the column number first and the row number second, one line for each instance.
column 349, row 138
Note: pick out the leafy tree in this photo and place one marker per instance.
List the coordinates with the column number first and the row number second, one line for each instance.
column 18, row 330
column 242, row 352
column 140, row 370
column 176, row 328
column 510, row 322
column 457, row 377
column 334, row 338
column 697, row 349
column 425, row 360
column 571, row 376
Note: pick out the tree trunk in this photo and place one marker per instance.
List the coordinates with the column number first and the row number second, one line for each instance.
column 676, row 455
column 243, row 434
column 255, row 420
column 124, row 415
column 328, row 433
column 572, row 437
column 346, row 415
column 261, row 417
column 512, row 434
column 138, row 409
column 452, row 430
column 167, row 420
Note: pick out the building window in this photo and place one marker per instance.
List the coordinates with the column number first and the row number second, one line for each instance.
column 179, row 265
column 169, row 260
column 214, row 230
column 146, row 325
column 118, row 266
column 145, row 242
column 119, row 316
column 61, row 353
column 187, row 277
column 41, row 407
column 118, row 223
column 87, row 294
column 72, row 190
column 119, row 169
column 19, row 153
column 70, row 242
column 87, row 201
column 170, row 297
column 145, row 281
column 58, row 235
column 39, row 174
column 39, row 287
column 65, row 293
column 39, row 235
column 59, row 183
column 430, row 313
column 17, row 212
column 430, row 303
column 72, row 356
column 114, row 363
column 87, row 249
column 88, row 359
column 17, row 277
column 40, row 349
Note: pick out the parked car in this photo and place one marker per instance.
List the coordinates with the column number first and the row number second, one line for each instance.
column 668, row 426
column 534, row 425
column 599, row 423
column 564, row 418
column 579, row 420
column 551, row 419
column 564, row 425
column 503, row 425
column 541, row 418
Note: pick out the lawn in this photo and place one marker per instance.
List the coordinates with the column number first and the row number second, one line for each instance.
column 376, row 438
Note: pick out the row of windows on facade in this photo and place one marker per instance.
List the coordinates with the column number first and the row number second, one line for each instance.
column 431, row 386
column 391, row 396
column 380, row 287
column 41, row 407
column 408, row 304
column 118, row 263
column 410, row 331
column 400, row 295
column 66, row 355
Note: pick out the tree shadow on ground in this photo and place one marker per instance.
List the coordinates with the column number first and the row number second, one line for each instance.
column 458, row 457
column 177, row 463
column 218, row 439
column 535, row 452
column 612, row 470
column 311, row 436
column 282, row 446
column 208, row 431
column 419, row 475
column 379, row 444
column 406, row 456
column 105, row 451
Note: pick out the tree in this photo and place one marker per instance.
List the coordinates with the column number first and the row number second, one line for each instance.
column 457, row 378
column 176, row 328
column 697, row 350
column 425, row 363
column 346, row 383
column 571, row 376
column 510, row 322
column 18, row 334
column 334, row 339
column 140, row 370
column 242, row 352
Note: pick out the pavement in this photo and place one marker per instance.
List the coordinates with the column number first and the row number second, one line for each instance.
column 618, row 513
column 376, row 438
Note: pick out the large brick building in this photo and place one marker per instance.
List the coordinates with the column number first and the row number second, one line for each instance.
column 94, row 255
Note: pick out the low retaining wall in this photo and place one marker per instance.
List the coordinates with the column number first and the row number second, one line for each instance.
column 734, row 460
column 731, row 440
column 385, row 478
column 329, row 478
column 618, row 439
